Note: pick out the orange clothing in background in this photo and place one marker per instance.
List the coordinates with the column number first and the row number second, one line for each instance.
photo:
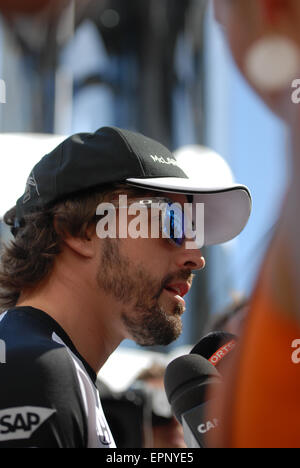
column 266, row 410
column 260, row 403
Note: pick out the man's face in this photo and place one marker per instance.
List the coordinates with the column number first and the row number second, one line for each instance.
column 148, row 279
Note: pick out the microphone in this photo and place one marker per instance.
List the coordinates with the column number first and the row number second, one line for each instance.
column 187, row 380
column 216, row 347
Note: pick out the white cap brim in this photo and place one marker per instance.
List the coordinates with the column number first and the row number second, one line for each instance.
column 226, row 209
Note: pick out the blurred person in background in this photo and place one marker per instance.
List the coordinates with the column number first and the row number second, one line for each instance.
column 260, row 404
column 231, row 319
column 140, row 416
column 164, row 430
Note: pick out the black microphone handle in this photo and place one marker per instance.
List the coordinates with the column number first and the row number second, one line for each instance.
column 190, row 399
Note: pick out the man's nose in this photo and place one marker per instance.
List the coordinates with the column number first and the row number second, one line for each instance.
column 190, row 257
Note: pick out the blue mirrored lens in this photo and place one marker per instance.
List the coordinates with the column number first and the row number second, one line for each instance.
column 173, row 224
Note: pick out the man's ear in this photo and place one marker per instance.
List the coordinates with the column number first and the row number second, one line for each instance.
column 82, row 246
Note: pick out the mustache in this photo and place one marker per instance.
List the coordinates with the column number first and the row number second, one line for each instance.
column 182, row 275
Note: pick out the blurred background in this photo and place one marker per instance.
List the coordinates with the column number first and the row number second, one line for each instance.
column 159, row 67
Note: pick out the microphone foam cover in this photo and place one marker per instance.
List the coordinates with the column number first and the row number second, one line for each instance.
column 186, row 381
column 211, row 343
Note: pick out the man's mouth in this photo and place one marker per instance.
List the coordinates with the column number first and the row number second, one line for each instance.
column 177, row 291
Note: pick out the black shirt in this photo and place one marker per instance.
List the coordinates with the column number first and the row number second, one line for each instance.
column 48, row 393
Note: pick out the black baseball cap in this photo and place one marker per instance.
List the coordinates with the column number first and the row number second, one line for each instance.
column 87, row 161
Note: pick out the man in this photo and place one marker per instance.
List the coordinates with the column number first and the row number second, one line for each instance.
column 74, row 290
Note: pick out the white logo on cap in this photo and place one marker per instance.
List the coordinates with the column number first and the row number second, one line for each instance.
column 162, row 160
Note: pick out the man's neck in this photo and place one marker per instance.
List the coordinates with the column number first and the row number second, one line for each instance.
column 91, row 333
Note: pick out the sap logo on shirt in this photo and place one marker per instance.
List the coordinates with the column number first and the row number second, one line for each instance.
column 21, row 423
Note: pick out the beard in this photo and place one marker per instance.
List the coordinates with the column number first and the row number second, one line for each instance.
column 147, row 322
